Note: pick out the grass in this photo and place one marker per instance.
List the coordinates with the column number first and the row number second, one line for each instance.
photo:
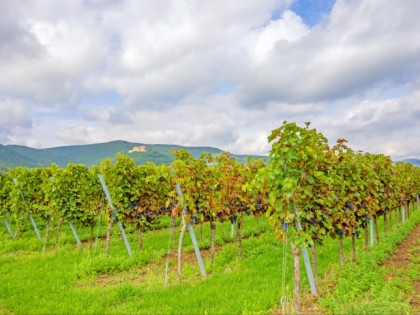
column 87, row 283
column 366, row 288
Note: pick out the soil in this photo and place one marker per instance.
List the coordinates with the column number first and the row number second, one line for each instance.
column 156, row 269
column 400, row 259
column 85, row 244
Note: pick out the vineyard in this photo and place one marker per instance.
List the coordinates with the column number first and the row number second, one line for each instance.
column 205, row 235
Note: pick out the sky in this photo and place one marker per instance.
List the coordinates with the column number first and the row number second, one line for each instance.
column 220, row 73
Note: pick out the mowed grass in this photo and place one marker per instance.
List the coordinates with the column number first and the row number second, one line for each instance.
column 369, row 288
column 85, row 282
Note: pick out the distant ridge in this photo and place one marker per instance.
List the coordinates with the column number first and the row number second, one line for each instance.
column 91, row 154
column 415, row 162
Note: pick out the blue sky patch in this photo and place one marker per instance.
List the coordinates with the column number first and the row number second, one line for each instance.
column 312, row 11
column 108, row 97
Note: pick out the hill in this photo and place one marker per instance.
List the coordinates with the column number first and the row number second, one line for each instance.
column 415, row 162
column 91, row 154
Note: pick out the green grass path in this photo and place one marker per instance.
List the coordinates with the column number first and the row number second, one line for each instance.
column 32, row 283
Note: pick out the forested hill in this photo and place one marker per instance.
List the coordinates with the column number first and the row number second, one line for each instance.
column 90, row 154
column 415, row 162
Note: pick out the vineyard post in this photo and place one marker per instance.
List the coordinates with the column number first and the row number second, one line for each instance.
column 192, row 235
column 76, row 236
column 371, row 231
column 8, row 227
column 115, row 211
column 418, row 201
column 35, row 227
column 306, row 259
column 232, row 230
column 30, row 215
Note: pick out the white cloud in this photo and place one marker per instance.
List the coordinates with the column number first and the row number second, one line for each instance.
column 220, row 73
column 76, row 134
column 178, row 48
column 186, row 123
column 14, row 113
column 14, row 118
column 363, row 44
column 378, row 126
column 289, row 28
column 63, row 42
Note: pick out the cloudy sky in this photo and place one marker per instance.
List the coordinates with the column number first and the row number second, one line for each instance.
column 218, row 73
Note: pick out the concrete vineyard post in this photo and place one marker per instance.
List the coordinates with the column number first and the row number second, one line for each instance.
column 115, row 211
column 8, row 227
column 76, row 236
column 306, row 260
column 403, row 214
column 196, row 249
column 193, row 238
column 35, row 227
